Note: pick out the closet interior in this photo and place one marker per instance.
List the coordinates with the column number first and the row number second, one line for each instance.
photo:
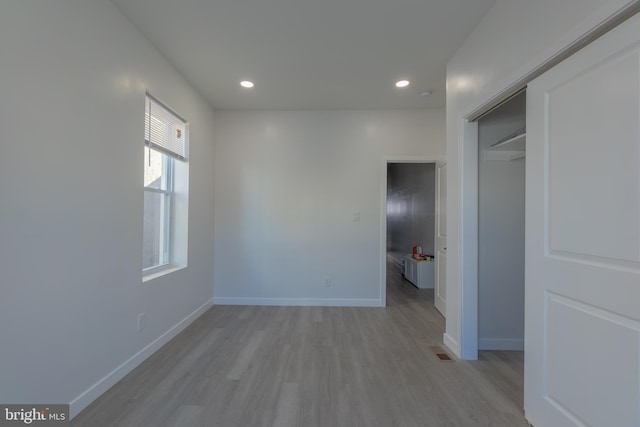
column 501, row 226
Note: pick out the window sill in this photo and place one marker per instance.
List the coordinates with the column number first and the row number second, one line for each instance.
column 156, row 274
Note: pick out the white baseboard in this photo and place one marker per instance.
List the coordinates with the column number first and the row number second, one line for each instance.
column 451, row 344
column 92, row 393
column 301, row 302
column 500, row 344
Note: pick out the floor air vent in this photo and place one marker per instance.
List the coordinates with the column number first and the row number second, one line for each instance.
column 441, row 354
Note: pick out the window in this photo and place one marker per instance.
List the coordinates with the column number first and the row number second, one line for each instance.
column 164, row 244
column 158, row 186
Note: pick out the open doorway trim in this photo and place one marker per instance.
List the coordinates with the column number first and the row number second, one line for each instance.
column 383, row 212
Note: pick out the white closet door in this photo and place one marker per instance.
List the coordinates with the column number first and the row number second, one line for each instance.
column 440, row 246
column 582, row 326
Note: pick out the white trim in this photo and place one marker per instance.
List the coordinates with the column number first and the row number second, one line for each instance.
column 501, row 344
column 451, row 344
column 383, row 233
column 414, row 159
column 159, row 271
column 383, row 212
column 96, row 390
column 300, row 302
column 468, row 133
column 157, row 190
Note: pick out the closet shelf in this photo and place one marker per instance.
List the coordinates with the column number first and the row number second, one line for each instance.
column 511, row 147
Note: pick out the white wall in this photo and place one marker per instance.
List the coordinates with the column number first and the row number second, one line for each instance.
column 74, row 74
column 501, row 194
column 287, row 186
column 514, row 38
column 411, row 199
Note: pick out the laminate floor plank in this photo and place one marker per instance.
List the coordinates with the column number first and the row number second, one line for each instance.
column 316, row 367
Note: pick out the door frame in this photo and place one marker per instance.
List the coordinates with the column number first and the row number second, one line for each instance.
column 468, row 132
column 383, row 212
column 440, row 235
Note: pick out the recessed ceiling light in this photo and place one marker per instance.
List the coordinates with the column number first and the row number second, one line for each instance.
column 247, row 84
column 402, row 83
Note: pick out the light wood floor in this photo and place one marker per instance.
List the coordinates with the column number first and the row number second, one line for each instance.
column 316, row 366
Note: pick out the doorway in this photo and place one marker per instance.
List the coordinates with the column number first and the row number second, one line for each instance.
column 493, row 254
column 501, row 226
column 409, row 216
column 501, row 153
column 410, row 208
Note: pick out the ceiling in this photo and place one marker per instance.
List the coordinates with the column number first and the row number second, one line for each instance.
column 310, row 54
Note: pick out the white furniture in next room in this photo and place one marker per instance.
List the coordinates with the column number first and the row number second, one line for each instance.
column 420, row 273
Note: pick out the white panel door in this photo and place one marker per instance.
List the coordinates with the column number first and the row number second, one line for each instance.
column 440, row 246
column 582, row 323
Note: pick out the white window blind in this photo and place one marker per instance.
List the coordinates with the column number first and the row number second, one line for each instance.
column 164, row 130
